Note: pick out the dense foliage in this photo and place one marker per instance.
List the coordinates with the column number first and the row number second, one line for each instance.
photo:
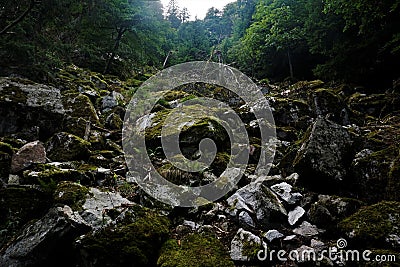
column 335, row 40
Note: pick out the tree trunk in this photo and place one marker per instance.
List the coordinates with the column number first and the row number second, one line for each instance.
column 19, row 19
column 121, row 32
column 290, row 64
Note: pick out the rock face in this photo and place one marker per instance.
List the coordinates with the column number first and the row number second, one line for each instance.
column 322, row 160
column 46, row 241
column 29, row 110
column 33, row 152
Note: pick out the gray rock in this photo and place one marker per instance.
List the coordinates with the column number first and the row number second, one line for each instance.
column 33, row 152
column 111, row 101
column 44, row 239
column 306, row 229
column 295, row 215
column 257, row 199
column 94, row 207
column 22, row 99
column 245, row 219
column 283, row 190
column 243, row 242
column 272, row 235
column 322, row 160
column 305, row 254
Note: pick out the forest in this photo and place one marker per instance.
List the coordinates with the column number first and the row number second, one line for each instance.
column 333, row 40
column 278, row 146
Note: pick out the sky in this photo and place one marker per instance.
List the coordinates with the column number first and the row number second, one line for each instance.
column 199, row 7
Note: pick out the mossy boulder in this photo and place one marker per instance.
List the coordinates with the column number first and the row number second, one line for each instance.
column 48, row 176
column 78, row 105
column 40, row 103
column 375, row 174
column 325, row 156
column 329, row 210
column 66, row 147
column 18, row 205
column 377, row 105
column 290, row 112
column 372, row 225
column 71, row 194
column 194, row 250
column 134, row 244
column 327, row 102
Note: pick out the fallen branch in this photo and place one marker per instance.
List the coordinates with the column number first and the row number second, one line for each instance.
column 19, row 19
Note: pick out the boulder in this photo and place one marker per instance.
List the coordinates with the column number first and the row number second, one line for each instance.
column 329, row 210
column 135, row 239
column 18, row 205
column 295, row 215
column 375, row 225
column 245, row 246
column 65, row 147
column 47, row 241
column 326, row 102
column 259, row 201
column 25, row 105
column 375, row 174
column 324, row 157
column 33, row 152
column 77, row 105
column 306, row 229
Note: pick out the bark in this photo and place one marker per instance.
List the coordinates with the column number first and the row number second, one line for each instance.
column 290, row 64
column 121, row 32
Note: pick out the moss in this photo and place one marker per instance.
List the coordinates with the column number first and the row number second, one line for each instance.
column 174, row 94
column 56, row 175
column 393, row 188
column 6, row 148
column 134, row 244
column 78, row 105
column 71, row 194
column 65, row 147
column 194, row 250
column 250, row 249
column 220, row 163
column 373, row 223
column 12, row 93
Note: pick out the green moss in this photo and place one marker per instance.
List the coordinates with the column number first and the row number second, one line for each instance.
column 66, row 147
column 373, row 223
column 220, row 163
column 135, row 244
column 6, row 148
column 12, row 93
column 250, row 249
column 194, row 250
column 174, row 94
column 78, row 105
column 71, row 194
column 393, row 188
